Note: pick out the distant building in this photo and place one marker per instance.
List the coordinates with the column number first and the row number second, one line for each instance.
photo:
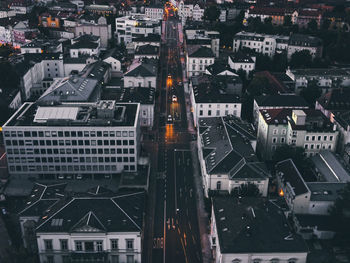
column 197, row 35
column 240, row 61
column 104, row 10
column 271, row 44
column 134, row 26
column 307, row 128
column 147, row 51
column 42, row 46
column 21, row 7
column 226, row 154
column 115, row 58
column 253, row 230
column 85, row 45
column 155, row 12
column 325, row 78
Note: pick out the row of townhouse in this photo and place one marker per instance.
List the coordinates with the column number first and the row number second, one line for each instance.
column 271, row 44
column 301, row 17
column 190, row 11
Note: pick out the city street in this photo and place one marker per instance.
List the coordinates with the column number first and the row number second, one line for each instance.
column 175, row 232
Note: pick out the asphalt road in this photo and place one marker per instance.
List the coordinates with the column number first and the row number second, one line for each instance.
column 175, row 233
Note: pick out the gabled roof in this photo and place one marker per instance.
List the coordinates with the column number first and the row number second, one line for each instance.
column 220, row 67
column 289, row 173
column 90, row 213
column 240, row 57
column 202, row 52
column 253, row 225
column 72, row 89
column 276, row 116
column 143, row 69
column 226, row 147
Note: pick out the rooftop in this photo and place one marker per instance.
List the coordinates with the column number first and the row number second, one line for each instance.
column 147, row 68
column 253, row 225
column 332, row 72
column 133, row 94
column 147, row 50
column 336, row 99
column 202, row 52
column 289, row 174
column 103, row 113
column 325, row 191
column 71, row 89
column 276, row 116
column 226, row 146
column 304, row 40
column 281, row 101
column 330, row 167
column 240, row 57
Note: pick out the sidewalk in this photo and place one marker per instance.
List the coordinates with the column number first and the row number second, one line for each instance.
column 201, row 213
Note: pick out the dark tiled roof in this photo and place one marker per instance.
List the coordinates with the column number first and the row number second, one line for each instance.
column 84, row 44
column 219, row 67
column 133, row 94
column 253, row 225
column 144, row 69
column 288, row 172
column 120, row 213
column 276, row 116
column 240, row 57
column 281, row 101
column 202, row 52
column 147, row 50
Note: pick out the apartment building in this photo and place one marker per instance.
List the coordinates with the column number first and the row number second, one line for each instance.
column 154, row 12
column 284, row 101
column 71, row 139
column 240, row 61
column 208, row 99
column 190, row 11
column 198, row 59
column 326, row 78
column 97, row 225
column 271, row 44
column 42, row 46
column 306, row 128
column 202, row 37
column 135, row 25
column 85, row 45
column 141, row 74
column 226, row 154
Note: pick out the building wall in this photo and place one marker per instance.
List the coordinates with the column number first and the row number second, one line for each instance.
column 106, row 238
column 139, row 82
column 115, row 64
column 40, row 150
column 320, row 207
column 75, row 53
column 102, row 31
column 247, row 67
column 154, row 13
column 196, row 66
column 146, row 115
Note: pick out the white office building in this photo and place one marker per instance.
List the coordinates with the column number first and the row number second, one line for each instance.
column 72, row 139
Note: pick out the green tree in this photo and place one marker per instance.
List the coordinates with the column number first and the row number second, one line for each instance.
column 340, row 213
column 312, row 25
column 279, row 62
column 211, row 13
column 287, row 21
column 301, row 59
column 311, row 92
column 263, row 62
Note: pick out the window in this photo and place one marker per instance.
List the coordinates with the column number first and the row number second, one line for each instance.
column 64, row 244
column 331, row 138
column 307, row 138
column 313, row 138
column 274, row 260
column 130, row 259
column 283, row 140
column 284, row 131
column 114, row 244
column 274, row 139
column 99, row 246
column 292, row 260
column 50, row 259
column 209, row 112
column 275, row 131
column 129, row 244
column 218, row 185
column 306, row 146
column 48, row 244
column 89, row 246
column 201, row 113
column 256, row 260
column 78, row 246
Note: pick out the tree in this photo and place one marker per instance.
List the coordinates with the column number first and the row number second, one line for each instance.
column 301, row 59
column 279, row 62
column 311, row 92
column 312, row 25
column 263, row 62
column 211, row 13
column 258, row 86
column 287, row 21
column 340, row 214
column 297, row 154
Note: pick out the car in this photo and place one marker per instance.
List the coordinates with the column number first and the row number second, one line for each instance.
column 79, row 177
column 61, row 177
column 174, row 98
column 170, row 118
column 169, row 76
